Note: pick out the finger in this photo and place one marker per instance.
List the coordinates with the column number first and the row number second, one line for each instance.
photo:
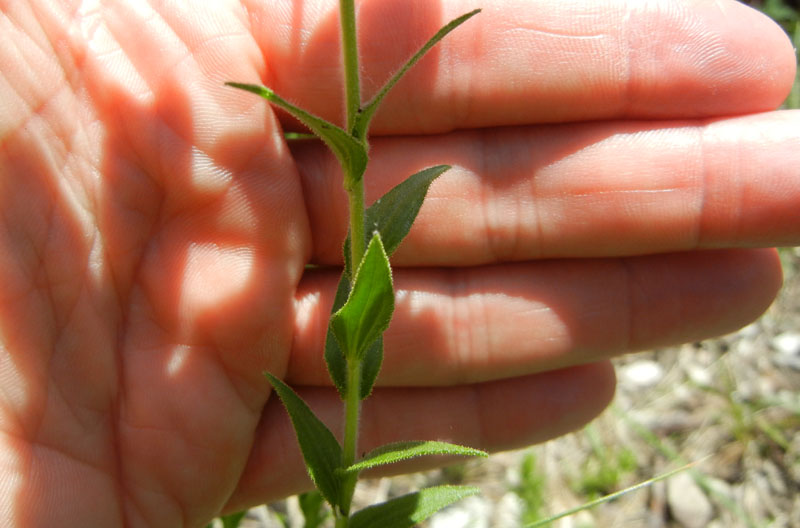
column 479, row 324
column 602, row 189
column 491, row 416
column 523, row 62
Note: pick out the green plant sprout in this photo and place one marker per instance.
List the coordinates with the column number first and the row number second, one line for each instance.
column 601, row 472
column 531, row 489
column 363, row 306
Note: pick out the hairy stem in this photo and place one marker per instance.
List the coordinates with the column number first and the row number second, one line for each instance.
column 357, row 236
column 347, row 16
column 350, row 447
column 352, row 408
column 354, row 185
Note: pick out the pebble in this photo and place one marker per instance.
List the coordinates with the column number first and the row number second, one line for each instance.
column 700, row 375
column 472, row 512
column 787, row 350
column 687, row 502
column 641, row 374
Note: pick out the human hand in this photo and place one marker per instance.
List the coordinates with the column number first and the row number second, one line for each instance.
column 156, row 229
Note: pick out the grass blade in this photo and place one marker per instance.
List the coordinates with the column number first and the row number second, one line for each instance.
column 701, row 480
column 610, row 497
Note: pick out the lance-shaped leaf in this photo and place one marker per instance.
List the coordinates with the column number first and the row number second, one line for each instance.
column 399, row 451
column 393, row 214
column 368, row 310
column 321, row 451
column 351, row 153
column 334, row 358
column 409, row 510
column 371, row 366
column 365, row 116
column 337, row 365
column 312, row 506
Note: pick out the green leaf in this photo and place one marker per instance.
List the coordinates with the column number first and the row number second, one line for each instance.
column 299, row 136
column 334, row 358
column 371, row 366
column 364, row 118
column 233, row 520
column 393, row 214
column 321, row 451
column 351, row 153
column 312, row 506
column 368, row 310
column 409, row 510
column 337, row 364
column 399, row 451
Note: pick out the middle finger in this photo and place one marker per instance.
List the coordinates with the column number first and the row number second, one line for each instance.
column 465, row 325
column 583, row 190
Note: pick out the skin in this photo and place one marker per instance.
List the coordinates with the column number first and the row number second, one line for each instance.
column 617, row 165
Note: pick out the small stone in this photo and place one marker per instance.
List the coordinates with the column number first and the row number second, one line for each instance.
column 787, row 348
column 700, row 376
column 472, row 512
column 642, row 374
column 508, row 511
column 788, row 342
column 687, row 502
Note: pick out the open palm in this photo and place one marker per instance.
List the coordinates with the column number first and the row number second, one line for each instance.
column 156, row 230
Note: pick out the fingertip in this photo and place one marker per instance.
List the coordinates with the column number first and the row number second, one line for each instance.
column 723, row 56
column 771, row 65
column 532, row 409
column 769, row 278
column 686, row 297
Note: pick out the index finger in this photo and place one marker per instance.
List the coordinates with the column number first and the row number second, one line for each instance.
column 532, row 61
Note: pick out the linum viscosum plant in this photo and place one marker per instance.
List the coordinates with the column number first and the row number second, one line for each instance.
column 363, row 306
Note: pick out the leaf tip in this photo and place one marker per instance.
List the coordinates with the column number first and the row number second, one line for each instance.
column 273, row 379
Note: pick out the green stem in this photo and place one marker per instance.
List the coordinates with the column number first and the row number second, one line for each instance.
column 357, row 239
column 354, row 185
column 347, row 16
column 350, row 448
column 352, row 409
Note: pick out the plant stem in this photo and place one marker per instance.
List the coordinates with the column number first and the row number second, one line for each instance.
column 352, row 403
column 354, row 185
column 357, row 239
column 352, row 411
column 347, row 20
